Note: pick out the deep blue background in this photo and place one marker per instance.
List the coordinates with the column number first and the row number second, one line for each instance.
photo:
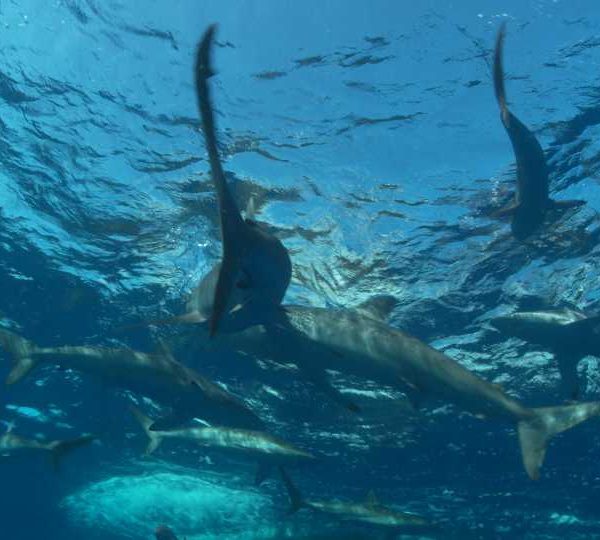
column 369, row 136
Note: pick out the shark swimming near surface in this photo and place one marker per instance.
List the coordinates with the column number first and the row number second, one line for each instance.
column 569, row 334
column 12, row 444
column 357, row 343
column 255, row 446
column 255, row 269
column 370, row 512
column 532, row 201
column 158, row 376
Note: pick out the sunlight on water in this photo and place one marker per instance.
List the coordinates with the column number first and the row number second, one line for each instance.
column 196, row 506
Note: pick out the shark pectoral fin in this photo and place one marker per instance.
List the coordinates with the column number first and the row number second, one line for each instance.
column 319, row 379
column 296, row 500
column 567, row 367
column 563, row 205
column 59, row 449
column 372, row 499
column 22, row 367
column 507, row 210
column 413, row 393
column 263, row 471
column 163, row 350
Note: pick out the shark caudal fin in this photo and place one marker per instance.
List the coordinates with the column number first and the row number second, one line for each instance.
column 59, row 449
column 544, row 423
column 154, row 437
column 499, row 74
column 296, row 500
column 21, row 352
column 232, row 223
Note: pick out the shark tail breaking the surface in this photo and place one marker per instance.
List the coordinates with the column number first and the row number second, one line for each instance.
column 231, row 219
column 535, row 432
column 60, row 449
column 21, row 351
column 154, row 437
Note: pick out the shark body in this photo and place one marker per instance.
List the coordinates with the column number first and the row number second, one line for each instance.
column 569, row 334
column 354, row 343
column 370, row 511
column 158, row 376
column 255, row 446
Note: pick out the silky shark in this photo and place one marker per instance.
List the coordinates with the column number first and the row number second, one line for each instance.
column 12, row 444
column 158, row 376
column 532, row 201
column 255, row 269
column 256, row 446
column 163, row 532
column 369, row 511
column 569, row 334
column 355, row 343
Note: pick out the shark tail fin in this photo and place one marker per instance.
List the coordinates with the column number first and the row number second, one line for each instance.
column 21, row 351
column 146, row 422
column 544, row 423
column 499, row 74
column 59, row 449
column 296, row 500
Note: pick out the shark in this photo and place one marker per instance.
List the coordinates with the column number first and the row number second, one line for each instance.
column 158, row 376
column 532, row 201
column 163, row 532
column 370, row 511
column 255, row 270
column 361, row 344
column 12, row 444
column 255, row 446
column 570, row 334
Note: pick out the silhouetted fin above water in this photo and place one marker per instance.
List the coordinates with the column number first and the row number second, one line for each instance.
column 251, row 256
column 531, row 201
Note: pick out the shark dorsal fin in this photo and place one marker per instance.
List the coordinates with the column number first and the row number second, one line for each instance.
column 378, row 307
column 250, row 209
column 162, row 349
column 372, row 499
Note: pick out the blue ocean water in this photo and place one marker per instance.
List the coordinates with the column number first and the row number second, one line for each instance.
column 368, row 137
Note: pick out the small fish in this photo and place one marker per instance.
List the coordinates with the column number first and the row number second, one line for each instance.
column 158, row 376
column 532, row 201
column 569, row 334
column 12, row 444
column 256, row 446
